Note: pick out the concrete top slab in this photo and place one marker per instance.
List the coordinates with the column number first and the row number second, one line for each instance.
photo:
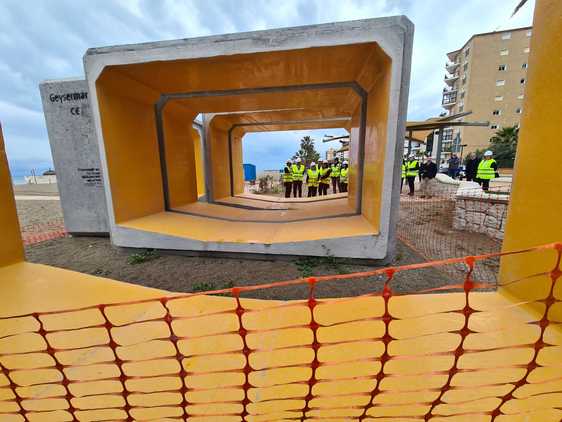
column 387, row 32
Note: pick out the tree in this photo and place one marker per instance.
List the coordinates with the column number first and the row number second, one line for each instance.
column 504, row 144
column 307, row 153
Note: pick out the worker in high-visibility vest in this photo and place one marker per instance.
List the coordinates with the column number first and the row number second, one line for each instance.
column 335, row 175
column 288, row 178
column 412, row 171
column 487, row 170
column 297, row 170
column 312, row 175
column 324, row 182
column 344, row 175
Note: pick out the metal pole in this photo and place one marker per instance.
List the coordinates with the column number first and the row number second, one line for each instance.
column 439, row 144
column 409, row 142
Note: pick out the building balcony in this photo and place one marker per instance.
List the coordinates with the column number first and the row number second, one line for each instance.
column 449, row 98
column 451, row 79
column 451, row 66
column 448, row 105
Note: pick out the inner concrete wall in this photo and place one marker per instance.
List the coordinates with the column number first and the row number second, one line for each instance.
column 376, row 140
column 237, row 163
column 75, row 155
column 180, row 156
column 131, row 153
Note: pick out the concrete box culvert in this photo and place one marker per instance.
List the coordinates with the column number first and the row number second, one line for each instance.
column 143, row 93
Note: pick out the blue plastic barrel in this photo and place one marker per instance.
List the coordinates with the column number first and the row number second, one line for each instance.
column 249, row 172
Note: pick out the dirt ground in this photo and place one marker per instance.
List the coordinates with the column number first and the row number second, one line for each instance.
column 180, row 273
column 424, row 229
column 426, row 225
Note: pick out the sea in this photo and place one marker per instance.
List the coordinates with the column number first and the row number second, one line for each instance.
column 18, row 180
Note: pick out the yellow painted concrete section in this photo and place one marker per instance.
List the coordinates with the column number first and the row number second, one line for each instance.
column 272, row 202
column 129, row 129
column 199, row 161
column 535, row 208
column 375, row 143
column 212, row 230
column 291, row 67
column 237, row 164
column 221, row 124
column 11, row 247
column 128, row 93
column 180, row 158
column 286, row 201
column 300, row 211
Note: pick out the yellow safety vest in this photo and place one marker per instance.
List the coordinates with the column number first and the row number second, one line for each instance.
column 324, row 178
column 485, row 170
column 403, row 171
column 298, row 172
column 343, row 174
column 411, row 169
column 336, row 171
column 312, row 177
column 287, row 177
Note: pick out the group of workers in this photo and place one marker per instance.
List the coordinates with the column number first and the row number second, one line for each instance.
column 481, row 171
column 317, row 177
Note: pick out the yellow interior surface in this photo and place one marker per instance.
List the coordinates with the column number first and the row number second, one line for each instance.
column 213, row 230
column 127, row 95
column 285, row 119
column 181, row 162
column 297, row 211
column 276, row 203
column 535, row 203
column 199, row 161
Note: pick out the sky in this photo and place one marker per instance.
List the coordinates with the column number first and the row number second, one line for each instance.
column 46, row 39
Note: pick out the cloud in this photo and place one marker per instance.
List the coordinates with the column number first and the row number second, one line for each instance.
column 48, row 42
column 270, row 150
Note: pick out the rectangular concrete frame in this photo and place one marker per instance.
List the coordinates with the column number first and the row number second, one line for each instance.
column 75, row 154
column 392, row 35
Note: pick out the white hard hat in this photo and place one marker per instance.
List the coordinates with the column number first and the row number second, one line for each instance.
column 488, row 153
column 412, row 156
column 312, row 164
column 298, row 160
column 345, row 162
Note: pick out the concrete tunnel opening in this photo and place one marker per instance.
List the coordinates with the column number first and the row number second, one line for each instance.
column 189, row 178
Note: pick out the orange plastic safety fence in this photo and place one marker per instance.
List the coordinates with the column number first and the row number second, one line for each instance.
column 200, row 358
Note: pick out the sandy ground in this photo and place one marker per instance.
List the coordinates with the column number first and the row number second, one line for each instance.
column 43, row 190
column 39, row 219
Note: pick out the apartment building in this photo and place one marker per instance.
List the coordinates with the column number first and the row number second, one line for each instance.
column 487, row 76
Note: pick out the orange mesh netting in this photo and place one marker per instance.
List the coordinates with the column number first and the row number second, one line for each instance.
column 462, row 355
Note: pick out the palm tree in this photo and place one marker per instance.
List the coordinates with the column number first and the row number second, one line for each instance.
column 504, row 145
